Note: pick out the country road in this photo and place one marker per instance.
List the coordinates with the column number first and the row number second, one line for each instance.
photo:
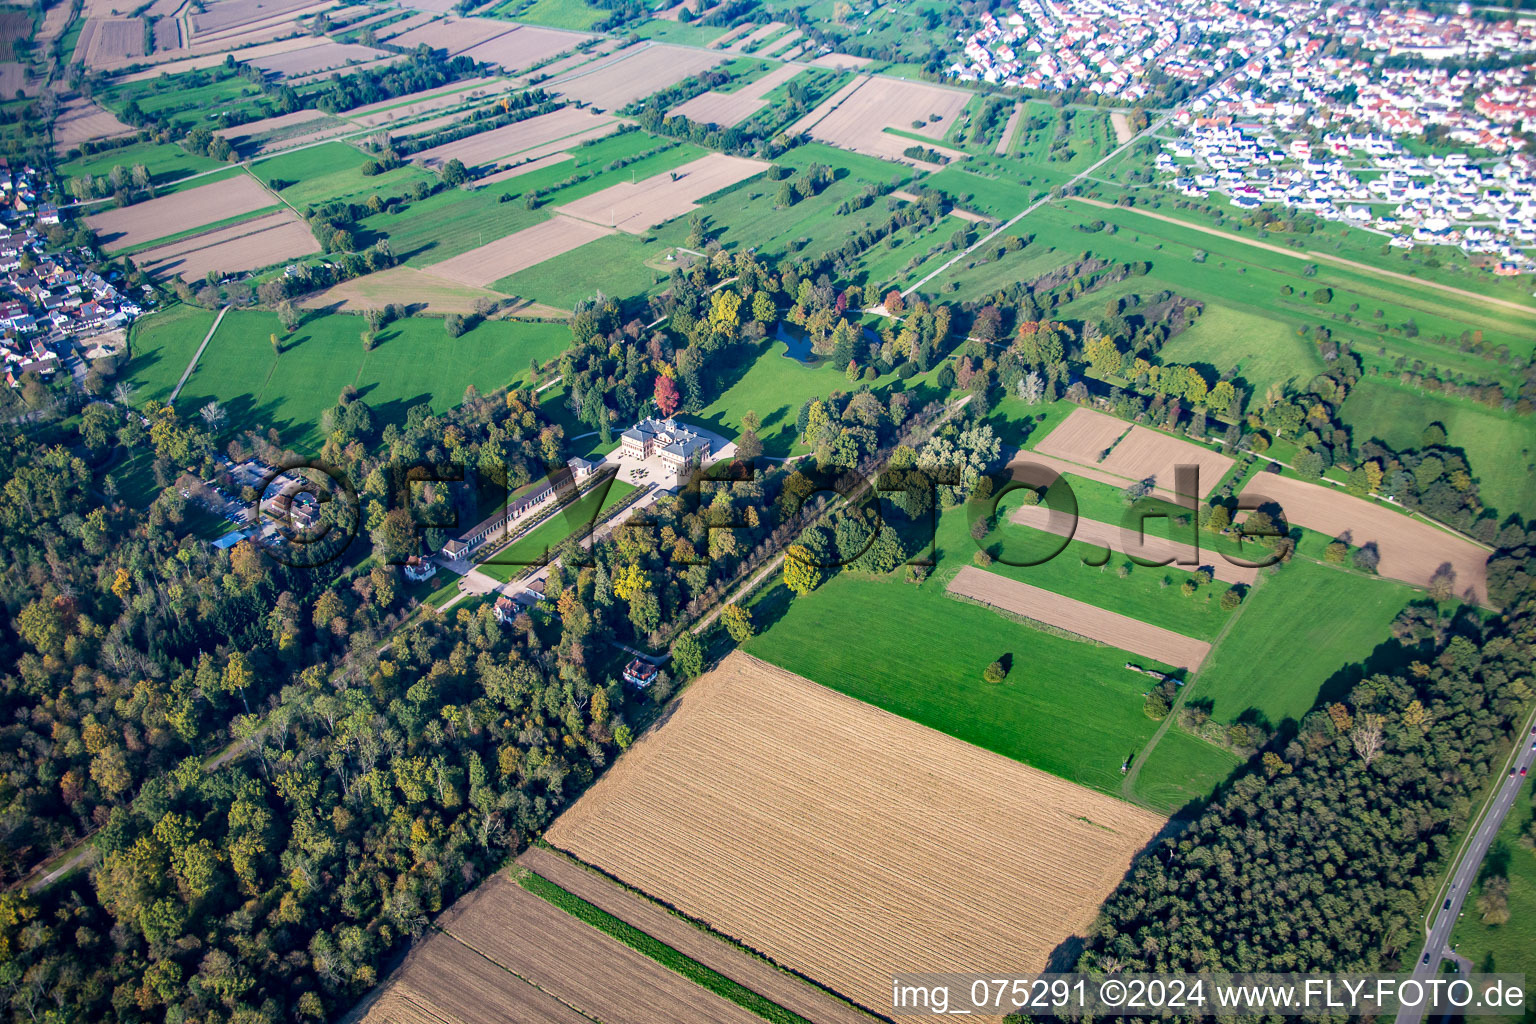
column 1468, row 863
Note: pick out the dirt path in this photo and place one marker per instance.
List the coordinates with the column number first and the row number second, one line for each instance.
column 196, row 356
column 1314, row 255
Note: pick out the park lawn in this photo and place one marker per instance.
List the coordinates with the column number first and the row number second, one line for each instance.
column 165, row 161
column 774, row 385
column 1067, row 707
column 1509, row 947
column 160, row 345
column 1182, row 768
column 414, row 363
column 748, row 215
column 186, row 100
column 572, row 14
column 1500, row 446
column 333, row 170
column 613, row 265
column 1070, row 568
column 988, row 192
column 1297, row 629
column 545, row 539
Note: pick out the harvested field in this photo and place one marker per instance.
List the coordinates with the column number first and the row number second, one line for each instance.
column 1005, row 143
column 762, row 32
column 167, row 35
column 780, row 44
column 526, row 46
column 400, row 284
column 426, row 101
column 520, row 250
column 1411, row 550
column 219, row 15
column 840, row 61
column 13, row 78
column 1148, row 548
column 157, row 218
column 250, row 245
column 1130, row 453
column 1146, row 454
column 855, row 118
column 656, row 921
column 80, row 120
column 208, row 60
column 268, row 125
column 442, row 982
column 576, row 963
column 638, row 72
column 322, row 57
column 1122, row 127
column 1095, row 623
column 107, row 41
column 454, row 35
column 498, row 143
column 636, row 207
column 405, row 25
column 847, row 843
column 728, row 109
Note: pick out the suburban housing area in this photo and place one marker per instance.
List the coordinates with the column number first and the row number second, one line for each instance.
column 595, row 512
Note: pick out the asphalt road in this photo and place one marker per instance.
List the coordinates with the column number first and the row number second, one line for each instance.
column 1437, row 945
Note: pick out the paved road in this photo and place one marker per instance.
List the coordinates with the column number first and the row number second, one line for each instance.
column 1464, row 873
column 196, row 356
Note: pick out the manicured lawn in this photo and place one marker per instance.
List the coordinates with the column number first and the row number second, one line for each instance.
column 1139, row 595
column 334, row 171
column 160, row 346
column 544, row 539
column 1066, row 707
column 613, row 265
column 165, row 162
column 1300, row 627
column 1500, row 446
column 415, row 362
column 1182, row 768
column 1508, row 947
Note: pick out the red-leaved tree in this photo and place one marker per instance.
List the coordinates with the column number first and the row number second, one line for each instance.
column 666, row 395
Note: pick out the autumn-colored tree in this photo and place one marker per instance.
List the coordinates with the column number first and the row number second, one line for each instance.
column 895, row 305
column 738, row 623
column 667, row 398
column 800, row 572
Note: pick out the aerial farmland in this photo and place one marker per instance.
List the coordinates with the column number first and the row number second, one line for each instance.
column 571, row 511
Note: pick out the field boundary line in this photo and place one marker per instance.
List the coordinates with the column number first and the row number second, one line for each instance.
column 503, row 968
column 187, row 373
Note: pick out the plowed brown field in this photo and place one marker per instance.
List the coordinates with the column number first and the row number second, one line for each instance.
column 249, row 245
column 728, row 109
column 855, row 118
column 1130, row 453
column 1411, row 551
column 659, row 923
column 632, row 75
column 576, row 963
column 157, row 218
column 847, row 843
column 1091, row 621
column 637, row 207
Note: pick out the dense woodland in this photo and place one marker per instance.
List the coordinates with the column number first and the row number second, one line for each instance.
column 1321, row 854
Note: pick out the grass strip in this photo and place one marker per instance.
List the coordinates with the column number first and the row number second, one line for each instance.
column 657, row 950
